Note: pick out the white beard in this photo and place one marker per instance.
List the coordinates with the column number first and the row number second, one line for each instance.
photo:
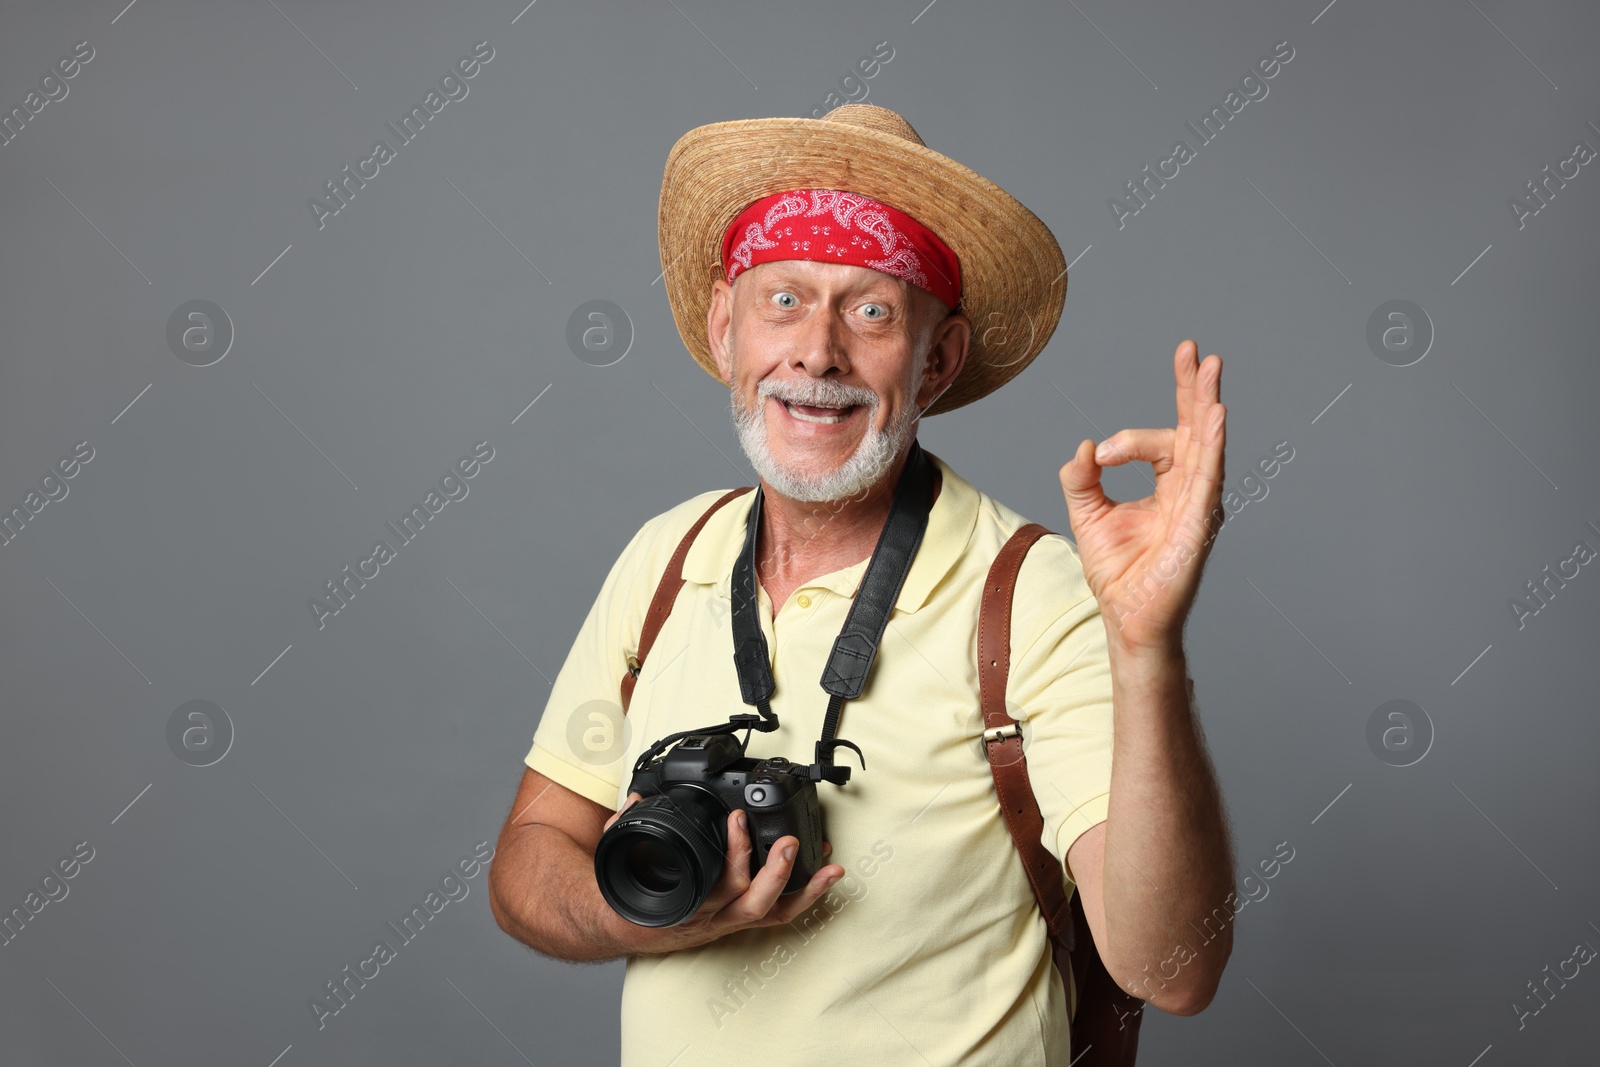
column 868, row 466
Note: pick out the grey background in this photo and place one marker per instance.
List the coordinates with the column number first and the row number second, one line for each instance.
column 374, row 353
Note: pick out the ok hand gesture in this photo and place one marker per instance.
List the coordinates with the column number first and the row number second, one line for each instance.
column 1142, row 558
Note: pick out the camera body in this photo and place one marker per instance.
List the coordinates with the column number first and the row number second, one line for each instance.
column 659, row 861
column 775, row 795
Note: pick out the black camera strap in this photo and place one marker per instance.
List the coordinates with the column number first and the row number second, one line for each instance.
column 854, row 649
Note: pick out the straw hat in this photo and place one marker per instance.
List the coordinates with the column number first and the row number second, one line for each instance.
column 1013, row 275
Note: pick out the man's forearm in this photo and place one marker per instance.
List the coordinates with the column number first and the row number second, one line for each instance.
column 542, row 892
column 1168, row 860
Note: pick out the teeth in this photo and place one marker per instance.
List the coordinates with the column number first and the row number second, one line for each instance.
column 803, row 417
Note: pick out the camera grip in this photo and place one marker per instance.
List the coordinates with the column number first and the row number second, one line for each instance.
column 800, row 816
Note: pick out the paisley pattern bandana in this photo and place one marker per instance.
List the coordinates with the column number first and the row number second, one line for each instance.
column 833, row 226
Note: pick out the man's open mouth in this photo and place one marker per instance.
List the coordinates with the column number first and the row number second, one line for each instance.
column 824, row 413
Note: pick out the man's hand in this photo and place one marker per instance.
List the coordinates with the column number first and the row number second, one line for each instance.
column 1142, row 558
column 738, row 901
column 1162, row 862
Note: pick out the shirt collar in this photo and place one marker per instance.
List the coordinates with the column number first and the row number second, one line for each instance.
column 950, row 523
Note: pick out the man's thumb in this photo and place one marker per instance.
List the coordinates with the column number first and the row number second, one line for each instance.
column 633, row 798
column 1080, row 482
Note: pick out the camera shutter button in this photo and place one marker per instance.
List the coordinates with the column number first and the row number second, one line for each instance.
column 758, row 795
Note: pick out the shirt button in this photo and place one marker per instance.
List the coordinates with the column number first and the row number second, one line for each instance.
column 803, row 600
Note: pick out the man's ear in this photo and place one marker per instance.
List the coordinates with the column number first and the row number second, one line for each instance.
column 719, row 322
column 947, row 354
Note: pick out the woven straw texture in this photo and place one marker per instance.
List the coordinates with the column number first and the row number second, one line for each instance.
column 1013, row 275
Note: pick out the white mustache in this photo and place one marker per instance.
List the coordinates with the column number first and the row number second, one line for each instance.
column 822, row 396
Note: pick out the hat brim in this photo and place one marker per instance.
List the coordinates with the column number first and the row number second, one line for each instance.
column 1013, row 274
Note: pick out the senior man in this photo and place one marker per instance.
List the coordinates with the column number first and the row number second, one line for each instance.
column 844, row 281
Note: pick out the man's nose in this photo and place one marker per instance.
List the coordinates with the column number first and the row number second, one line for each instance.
column 823, row 344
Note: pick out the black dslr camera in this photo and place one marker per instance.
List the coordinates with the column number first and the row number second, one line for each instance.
column 659, row 861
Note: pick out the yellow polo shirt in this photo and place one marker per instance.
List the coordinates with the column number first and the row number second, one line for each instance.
column 930, row 949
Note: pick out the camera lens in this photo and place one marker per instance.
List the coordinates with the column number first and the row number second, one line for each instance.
column 657, row 863
column 653, row 865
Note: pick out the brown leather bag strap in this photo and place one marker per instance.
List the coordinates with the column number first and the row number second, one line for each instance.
column 1002, row 738
column 1104, row 1018
column 666, row 595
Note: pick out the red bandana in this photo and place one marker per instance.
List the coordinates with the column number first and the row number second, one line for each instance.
column 832, row 226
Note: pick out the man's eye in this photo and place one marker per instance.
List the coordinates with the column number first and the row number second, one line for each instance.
column 873, row 311
column 786, row 299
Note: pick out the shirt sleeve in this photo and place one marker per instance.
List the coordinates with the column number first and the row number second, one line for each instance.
column 582, row 733
column 1059, row 689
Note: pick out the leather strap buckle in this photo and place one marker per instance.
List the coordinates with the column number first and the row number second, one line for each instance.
column 1000, row 733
